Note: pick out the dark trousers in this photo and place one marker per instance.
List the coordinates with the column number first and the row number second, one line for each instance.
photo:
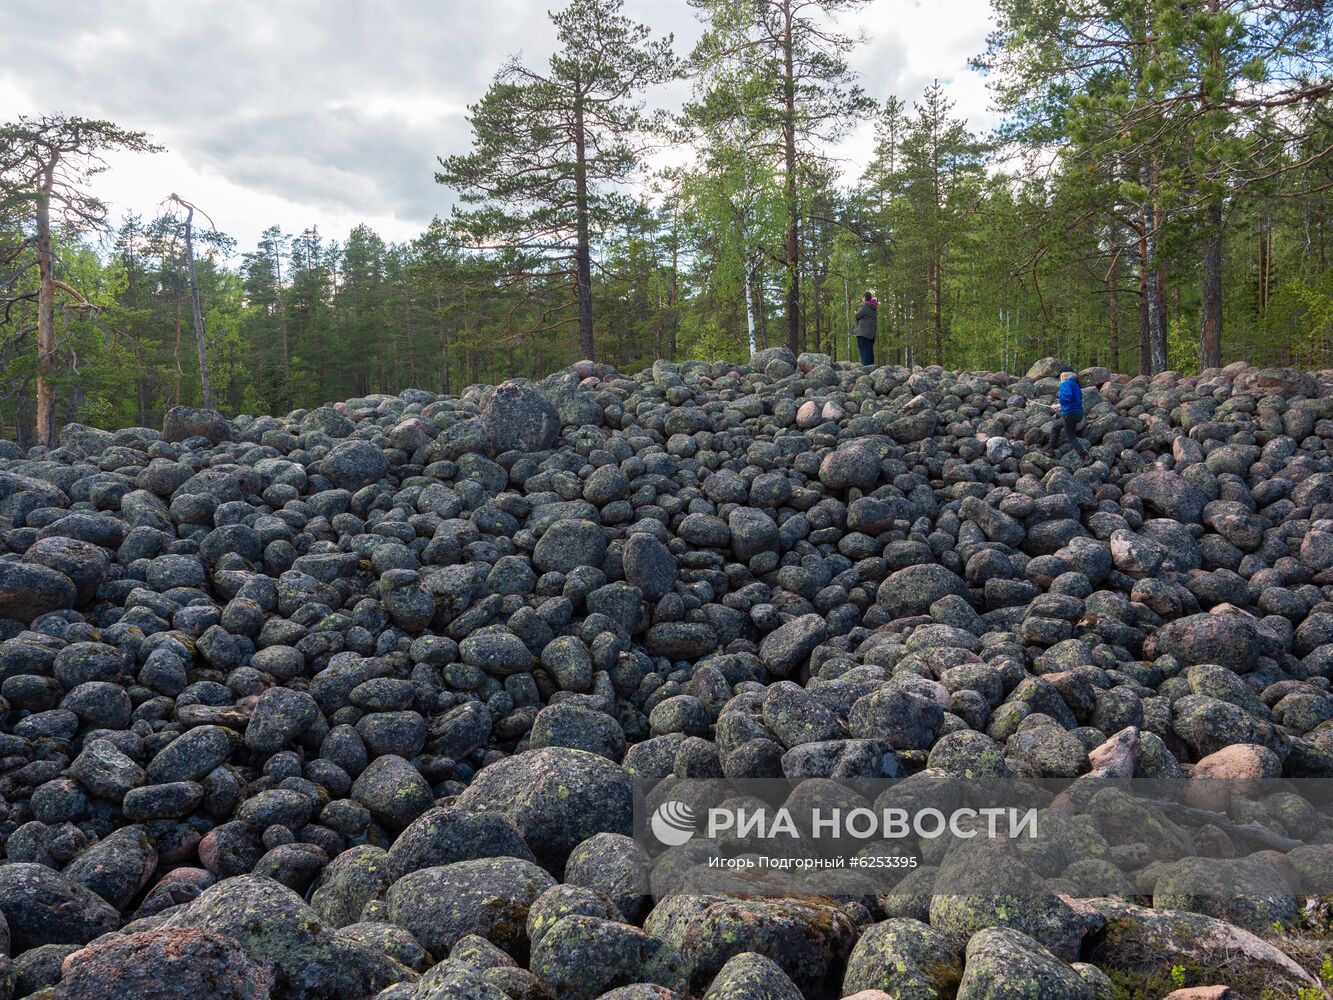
column 1068, row 425
column 867, row 348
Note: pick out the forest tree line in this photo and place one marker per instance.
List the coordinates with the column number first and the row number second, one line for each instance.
column 1158, row 196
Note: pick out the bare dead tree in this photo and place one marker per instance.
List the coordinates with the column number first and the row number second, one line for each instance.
column 196, row 308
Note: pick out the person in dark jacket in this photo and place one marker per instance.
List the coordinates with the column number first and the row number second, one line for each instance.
column 1069, row 404
column 867, row 314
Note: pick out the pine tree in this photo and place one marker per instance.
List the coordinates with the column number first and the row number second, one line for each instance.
column 45, row 167
column 805, row 98
column 310, row 314
column 1163, row 102
column 549, row 150
column 264, row 325
column 361, row 301
column 942, row 168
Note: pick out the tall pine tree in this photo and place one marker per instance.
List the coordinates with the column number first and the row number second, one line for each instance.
column 46, row 165
column 806, row 99
column 551, row 148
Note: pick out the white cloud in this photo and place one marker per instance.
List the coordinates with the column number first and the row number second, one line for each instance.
column 332, row 112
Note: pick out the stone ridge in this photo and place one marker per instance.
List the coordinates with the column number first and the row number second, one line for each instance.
column 353, row 702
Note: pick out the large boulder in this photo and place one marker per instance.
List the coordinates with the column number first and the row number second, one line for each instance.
column 517, row 418
column 85, row 563
column 807, row 938
column 489, row 897
column 787, row 648
column 649, row 565
column 583, row 957
column 912, row 590
column 351, row 880
column 274, row 927
column 167, row 964
column 568, row 544
column 180, row 423
column 1228, row 639
column 1049, row 367
column 854, row 466
column 30, row 590
column 89, row 440
column 748, row 976
column 1005, row 964
column 351, row 465
column 118, row 866
column 43, row 907
column 905, row 958
column 1249, row 892
column 1234, row 957
column 985, row 883
column 1168, row 495
column 557, row 797
column 393, row 790
column 447, row 834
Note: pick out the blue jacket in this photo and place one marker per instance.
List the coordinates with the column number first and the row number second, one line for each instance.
column 1071, row 396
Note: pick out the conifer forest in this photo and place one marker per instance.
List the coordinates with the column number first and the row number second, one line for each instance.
column 1157, row 196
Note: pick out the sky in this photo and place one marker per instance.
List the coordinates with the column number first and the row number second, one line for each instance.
column 332, row 112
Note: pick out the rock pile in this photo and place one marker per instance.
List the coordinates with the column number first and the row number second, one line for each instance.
column 351, row 703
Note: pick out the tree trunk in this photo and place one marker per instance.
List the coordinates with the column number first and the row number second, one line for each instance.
column 749, row 307
column 46, row 311
column 1156, row 336
column 1162, row 345
column 1210, row 355
column 793, row 251
column 847, row 317
column 1270, row 267
column 1144, row 353
column 444, row 343
column 1210, row 340
column 409, row 328
column 675, row 287
column 939, row 309
column 176, row 401
column 1323, row 244
column 583, row 252
column 891, row 326
column 817, row 283
column 282, row 329
column 760, row 306
column 197, row 311
column 23, row 422
column 1113, row 311
column 1156, row 332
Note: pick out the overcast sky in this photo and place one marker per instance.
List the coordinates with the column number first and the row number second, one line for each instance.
column 331, row 112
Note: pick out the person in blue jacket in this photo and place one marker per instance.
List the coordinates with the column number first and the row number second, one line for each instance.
column 1070, row 408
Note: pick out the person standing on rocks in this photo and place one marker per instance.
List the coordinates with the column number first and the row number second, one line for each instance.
column 1069, row 404
column 867, row 314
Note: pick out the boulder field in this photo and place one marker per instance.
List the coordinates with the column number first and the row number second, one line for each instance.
column 355, row 702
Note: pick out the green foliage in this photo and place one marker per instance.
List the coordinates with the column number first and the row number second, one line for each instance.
column 773, row 77
column 1130, row 128
column 1301, row 313
column 551, row 151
